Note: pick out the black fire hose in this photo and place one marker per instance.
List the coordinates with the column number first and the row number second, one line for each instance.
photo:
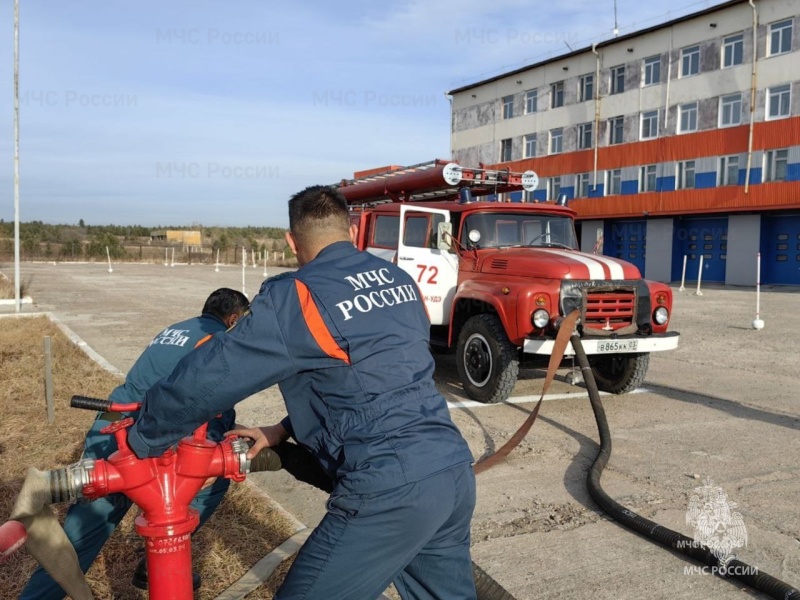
column 727, row 566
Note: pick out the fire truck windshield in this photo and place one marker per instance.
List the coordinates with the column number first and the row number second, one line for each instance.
column 497, row 230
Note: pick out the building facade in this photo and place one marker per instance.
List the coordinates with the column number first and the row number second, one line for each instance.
column 681, row 140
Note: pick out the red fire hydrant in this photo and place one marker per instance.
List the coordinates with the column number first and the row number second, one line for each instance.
column 162, row 487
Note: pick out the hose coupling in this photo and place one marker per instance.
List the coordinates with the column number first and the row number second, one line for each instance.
column 240, row 449
column 66, row 484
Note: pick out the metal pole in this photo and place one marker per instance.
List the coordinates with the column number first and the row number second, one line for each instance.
column 758, row 323
column 683, row 275
column 17, row 292
column 217, row 269
column 244, row 266
column 699, row 277
column 48, row 380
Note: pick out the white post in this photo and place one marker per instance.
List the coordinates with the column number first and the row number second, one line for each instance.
column 217, row 269
column 265, row 263
column 758, row 323
column 48, row 380
column 683, row 275
column 253, row 256
column 166, row 257
column 699, row 277
column 244, row 267
column 108, row 254
column 172, row 263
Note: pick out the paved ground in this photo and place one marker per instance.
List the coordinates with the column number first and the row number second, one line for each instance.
column 723, row 406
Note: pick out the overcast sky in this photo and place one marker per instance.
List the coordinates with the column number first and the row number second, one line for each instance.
column 211, row 112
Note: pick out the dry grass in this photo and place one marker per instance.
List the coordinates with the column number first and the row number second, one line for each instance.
column 7, row 287
column 245, row 527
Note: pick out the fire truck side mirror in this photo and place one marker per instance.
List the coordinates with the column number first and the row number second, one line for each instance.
column 444, row 237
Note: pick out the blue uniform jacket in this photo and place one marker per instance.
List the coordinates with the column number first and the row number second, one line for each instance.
column 160, row 358
column 346, row 337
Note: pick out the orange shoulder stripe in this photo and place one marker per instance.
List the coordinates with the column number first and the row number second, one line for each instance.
column 317, row 326
column 203, row 341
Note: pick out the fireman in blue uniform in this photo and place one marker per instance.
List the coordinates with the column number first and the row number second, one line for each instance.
column 346, row 338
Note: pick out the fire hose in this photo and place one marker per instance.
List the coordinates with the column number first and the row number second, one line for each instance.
column 726, row 565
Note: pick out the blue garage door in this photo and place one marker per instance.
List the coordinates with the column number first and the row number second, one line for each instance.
column 694, row 238
column 626, row 240
column 780, row 255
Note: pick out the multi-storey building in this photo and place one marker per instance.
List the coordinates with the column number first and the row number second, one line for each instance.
column 681, row 140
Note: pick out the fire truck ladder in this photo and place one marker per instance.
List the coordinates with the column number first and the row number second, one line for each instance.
column 435, row 180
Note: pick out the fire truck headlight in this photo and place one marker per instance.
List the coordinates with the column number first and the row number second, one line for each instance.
column 661, row 315
column 540, row 318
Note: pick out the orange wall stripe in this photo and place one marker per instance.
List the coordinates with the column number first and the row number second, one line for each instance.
column 316, row 325
column 716, row 142
column 761, row 196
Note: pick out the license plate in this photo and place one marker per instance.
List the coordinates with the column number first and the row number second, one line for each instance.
column 617, row 346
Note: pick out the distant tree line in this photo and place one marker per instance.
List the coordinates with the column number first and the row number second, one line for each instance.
column 74, row 242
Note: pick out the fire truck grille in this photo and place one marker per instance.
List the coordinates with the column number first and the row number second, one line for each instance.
column 610, row 310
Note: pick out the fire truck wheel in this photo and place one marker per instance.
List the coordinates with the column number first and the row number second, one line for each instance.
column 620, row 373
column 488, row 364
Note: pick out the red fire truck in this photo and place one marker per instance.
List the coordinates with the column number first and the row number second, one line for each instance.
column 497, row 276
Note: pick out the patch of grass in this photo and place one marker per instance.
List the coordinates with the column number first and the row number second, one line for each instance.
column 244, row 528
column 7, row 287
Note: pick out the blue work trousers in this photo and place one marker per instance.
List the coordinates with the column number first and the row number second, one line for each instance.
column 88, row 525
column 416, row 536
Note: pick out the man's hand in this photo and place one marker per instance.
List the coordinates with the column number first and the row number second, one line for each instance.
column 262, row 437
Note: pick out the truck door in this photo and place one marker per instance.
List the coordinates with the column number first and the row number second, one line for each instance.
column 434, row 270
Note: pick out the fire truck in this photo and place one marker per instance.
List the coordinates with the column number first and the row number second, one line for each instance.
column 497, row 276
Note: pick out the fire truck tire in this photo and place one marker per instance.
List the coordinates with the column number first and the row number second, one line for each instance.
column 620, row 373
column 488, row 364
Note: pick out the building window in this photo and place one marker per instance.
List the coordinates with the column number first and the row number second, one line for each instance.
column 690, row 61
column 652, row 70
column 557, row 94
column 778, row 101
column 530, row 145
column 733, row 50
column 649, row 125
column 688, row 117
column 775, row 168
column 508, row 107
column 613, row 182
column 585, row 131
column 553, row 188
column 615, row 130
column 586, row 88
column 531, row 101
column 556, row 141
column 617, row 79
column 780, row 37
column 729, row 170
column 582, row 181
column 647, row 178
column 730, row 110
column 685, row 175
column 505, row 150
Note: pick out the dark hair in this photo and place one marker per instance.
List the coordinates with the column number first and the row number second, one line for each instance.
column 318, row 209
column 224, row 302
